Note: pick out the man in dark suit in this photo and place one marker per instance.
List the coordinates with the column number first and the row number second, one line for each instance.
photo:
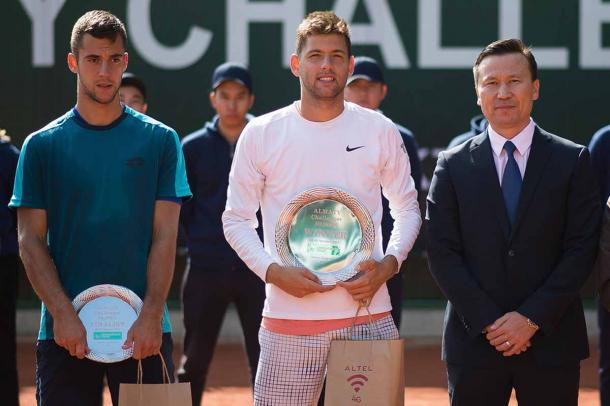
column 513, row 224
column 599, row 147
column 603, row 264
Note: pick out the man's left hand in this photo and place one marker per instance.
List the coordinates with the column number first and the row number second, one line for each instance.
column 513, row 329
column 145, row 336
column 372, row 275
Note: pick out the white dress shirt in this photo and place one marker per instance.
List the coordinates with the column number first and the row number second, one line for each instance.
column 523, row 144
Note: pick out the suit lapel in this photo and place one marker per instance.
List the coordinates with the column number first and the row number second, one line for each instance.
column 536, row 162
column 482, row 156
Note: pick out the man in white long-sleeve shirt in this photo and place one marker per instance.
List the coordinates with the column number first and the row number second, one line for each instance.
column 320, row 140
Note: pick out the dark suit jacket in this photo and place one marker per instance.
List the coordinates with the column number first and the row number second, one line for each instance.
column 486, row 270
column 603, row 260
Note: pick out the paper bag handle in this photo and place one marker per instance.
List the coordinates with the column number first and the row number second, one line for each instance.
column 165, row 372
column 373, row 331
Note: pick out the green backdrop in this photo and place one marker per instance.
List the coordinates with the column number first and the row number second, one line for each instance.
column 426, row 46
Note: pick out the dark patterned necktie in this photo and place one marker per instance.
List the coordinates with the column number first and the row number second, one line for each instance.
column 511, row 183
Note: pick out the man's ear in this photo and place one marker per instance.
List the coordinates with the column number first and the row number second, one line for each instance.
column 212, row 99
column 536, row 94
column 294, row 64
column 384, row 91
column 72, row 62
column 145, row 108
column 251, row 101
column 352, row 62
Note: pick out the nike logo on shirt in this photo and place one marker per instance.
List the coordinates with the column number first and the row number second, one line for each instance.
column 348, row 149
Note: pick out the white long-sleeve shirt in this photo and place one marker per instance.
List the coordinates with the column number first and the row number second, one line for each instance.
column 281, row 154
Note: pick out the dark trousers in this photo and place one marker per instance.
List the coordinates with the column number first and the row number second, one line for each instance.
column 205, row 297
column 603, row 318
column 534, row 385
column 9, row 388
column 64, row 380
column 395, row 287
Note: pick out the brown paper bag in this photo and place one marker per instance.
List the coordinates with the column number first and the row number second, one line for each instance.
column 369, row 372
column 160, row 394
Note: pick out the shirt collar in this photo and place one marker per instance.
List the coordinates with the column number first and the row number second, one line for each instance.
column 214, row 124
column 523, row 140
column 83, row 123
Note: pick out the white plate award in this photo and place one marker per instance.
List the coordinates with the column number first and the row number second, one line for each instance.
column 107, row 312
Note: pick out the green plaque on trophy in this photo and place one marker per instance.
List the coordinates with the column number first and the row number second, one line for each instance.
column 327, row 231
column 324, row 236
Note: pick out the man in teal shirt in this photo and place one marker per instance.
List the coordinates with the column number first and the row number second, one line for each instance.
column 98, row 195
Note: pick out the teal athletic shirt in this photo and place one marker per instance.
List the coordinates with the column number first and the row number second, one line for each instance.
column 99, row 186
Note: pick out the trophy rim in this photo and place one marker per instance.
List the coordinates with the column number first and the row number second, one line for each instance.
column 311, row 195
column 108, row 290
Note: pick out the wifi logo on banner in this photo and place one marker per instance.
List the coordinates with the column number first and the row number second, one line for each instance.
column 357, row 381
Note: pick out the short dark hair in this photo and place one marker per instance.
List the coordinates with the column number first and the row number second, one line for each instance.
column 504, row 47
column 129, row 79
column 322, row 22
column 99, row 24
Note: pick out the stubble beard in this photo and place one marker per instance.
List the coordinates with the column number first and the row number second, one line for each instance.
column 91, row 94
column 318, row 95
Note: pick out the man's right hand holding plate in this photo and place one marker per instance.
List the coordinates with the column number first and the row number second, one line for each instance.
column 296, row 281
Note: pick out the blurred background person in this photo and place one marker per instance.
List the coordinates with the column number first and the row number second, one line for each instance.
column 216, row 276
column 133, row 92
column 600, row 159
column 9, row 269
column 367, row 88
column 478, row 124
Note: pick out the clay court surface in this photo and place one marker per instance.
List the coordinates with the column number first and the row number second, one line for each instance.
column 228, row 383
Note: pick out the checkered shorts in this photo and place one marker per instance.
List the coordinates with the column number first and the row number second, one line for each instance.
column 291, row 368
